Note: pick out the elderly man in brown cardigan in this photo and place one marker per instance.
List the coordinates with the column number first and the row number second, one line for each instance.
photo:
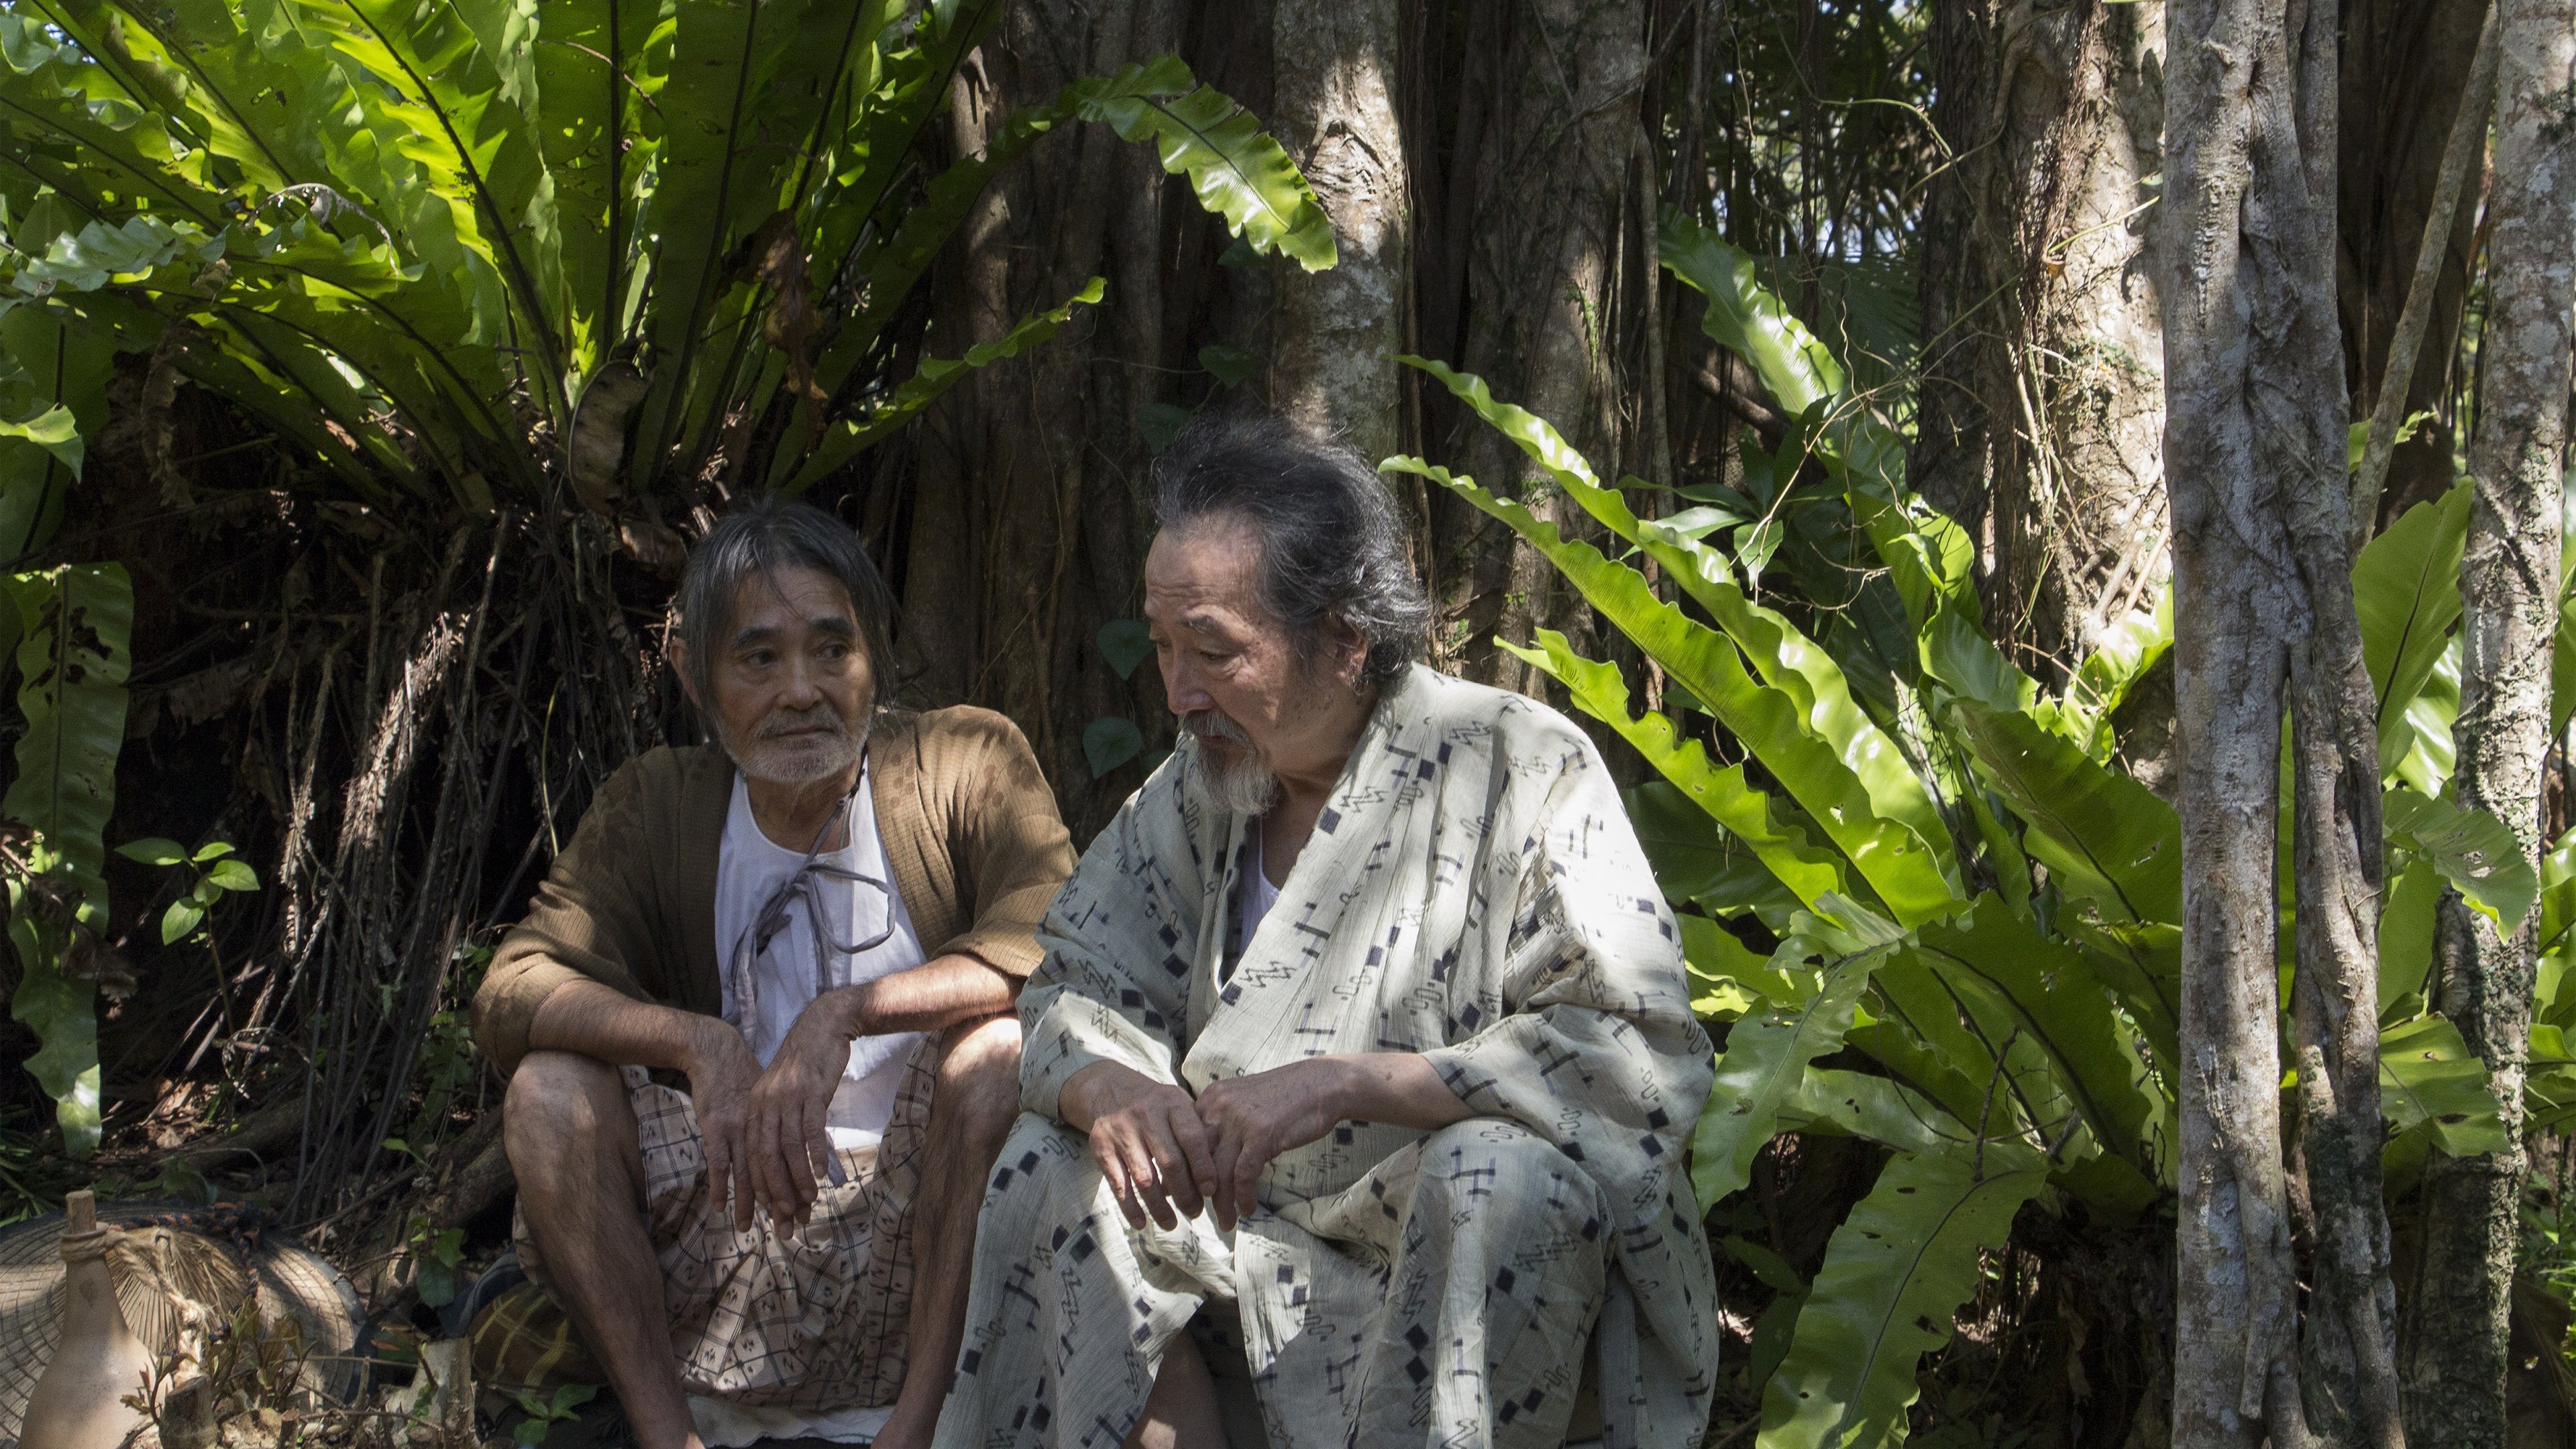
column 819, row 925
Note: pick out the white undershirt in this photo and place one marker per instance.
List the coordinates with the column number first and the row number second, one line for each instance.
column 749, row 867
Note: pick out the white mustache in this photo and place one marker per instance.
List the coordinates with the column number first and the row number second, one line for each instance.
column 1209, row 724
column 788, row 721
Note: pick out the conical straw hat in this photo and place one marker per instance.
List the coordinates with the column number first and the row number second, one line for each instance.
column 181, row 1266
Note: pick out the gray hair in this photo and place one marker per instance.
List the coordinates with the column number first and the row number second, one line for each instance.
column 763, row 536
column 1332, row 546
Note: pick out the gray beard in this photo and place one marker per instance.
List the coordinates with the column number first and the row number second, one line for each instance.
column 796, row 761
column 1239, row 784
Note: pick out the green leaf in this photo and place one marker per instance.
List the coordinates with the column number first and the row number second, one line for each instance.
column 1908, row 868
column 1876, row 1109
column 1231, row 365
column 2472, row 849
column 1761, row 1069
column 2045, row 991
column 212, row 850
column 2406, row 925
column 1109, row 742
column 2104, row 837
column 180, row 919
column 53, row 431
column 234, row 875
column 569, row 1397
column 1699, row 861
column 2429, row 1078
column 936, row 375
column 1771, row 829
column 1785, row 659
column 1124, row 644
column 2406, row 590
column 1236, row 169
column 153, row 850
column 73, row 658
column 1895, row 1276
column 1161, row 425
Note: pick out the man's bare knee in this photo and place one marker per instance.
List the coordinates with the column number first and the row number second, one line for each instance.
column 563, row 1110
column 979, row 1076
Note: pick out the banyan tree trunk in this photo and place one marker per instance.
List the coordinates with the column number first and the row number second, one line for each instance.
column 2456, row 1362
column 2042, row 402
column 2405, row 63
column 1538, row 274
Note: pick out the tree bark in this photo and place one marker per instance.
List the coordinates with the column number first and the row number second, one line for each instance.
column 2405, row 63
column 2041, row 405
column 2456, row 1363
column 1022, row 525
column 1334, row 337
column 2253, row 462
column 1557, row 234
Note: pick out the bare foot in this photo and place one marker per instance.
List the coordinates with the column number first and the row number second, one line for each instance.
column 907, row 1428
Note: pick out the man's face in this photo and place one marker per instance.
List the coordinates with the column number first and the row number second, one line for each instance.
column 791, row 682
column 1232, row 672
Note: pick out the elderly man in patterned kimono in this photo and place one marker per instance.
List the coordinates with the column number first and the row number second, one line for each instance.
column 1360, row 1063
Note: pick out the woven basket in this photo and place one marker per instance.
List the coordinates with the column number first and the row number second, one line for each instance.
column 212, row 1251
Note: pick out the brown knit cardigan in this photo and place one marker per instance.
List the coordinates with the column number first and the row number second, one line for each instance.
column 969, row 826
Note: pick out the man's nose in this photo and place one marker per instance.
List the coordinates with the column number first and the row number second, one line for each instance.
column 1184, row 688
column 803, row 688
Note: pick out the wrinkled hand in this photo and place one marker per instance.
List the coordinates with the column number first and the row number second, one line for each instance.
column 785, row 1136
column 1149, row 1142
column 1251, row 1120
column 722, row 1071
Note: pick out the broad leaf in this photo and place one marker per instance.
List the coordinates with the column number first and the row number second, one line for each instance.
column 73, row 659
column 2045, row 991
column 1895, row 1275
column 1761, row 1069
column 1905, row 868
column 1237, row 170
column 2472, row 849
column 2406, row 590
column 2429, row 1078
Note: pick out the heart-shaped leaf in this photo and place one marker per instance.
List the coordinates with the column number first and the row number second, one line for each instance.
column 1161, row 424
column 179, row 920
column 1124, row 644
column 1230, row 364
column 1109, row 742
column 234, row 875
column 153, row 850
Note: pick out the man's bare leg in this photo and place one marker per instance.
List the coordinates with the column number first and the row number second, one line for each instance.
column 569, row 1129
column 971, row 1111
column 1181, row 1412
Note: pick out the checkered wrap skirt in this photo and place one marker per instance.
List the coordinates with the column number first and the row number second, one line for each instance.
column 812, row 1322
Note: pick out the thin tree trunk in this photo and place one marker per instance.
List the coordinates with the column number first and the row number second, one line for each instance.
column 2253, row 461
column 2456, row 1363
column 1336, row 331
column 1025, row 512
column 2042, row 402
column 2405, row 63
column 1552, row 189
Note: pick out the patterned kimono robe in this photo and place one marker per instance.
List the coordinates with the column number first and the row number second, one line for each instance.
column 1472, row 892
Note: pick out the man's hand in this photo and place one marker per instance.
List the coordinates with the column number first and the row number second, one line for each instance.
column 1253, row 1119
column 721, row 1071
column 1148, row 1139
column 785, row 1134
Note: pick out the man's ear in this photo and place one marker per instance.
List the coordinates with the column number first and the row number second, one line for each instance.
column 1350, row 652
column 678, row 653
